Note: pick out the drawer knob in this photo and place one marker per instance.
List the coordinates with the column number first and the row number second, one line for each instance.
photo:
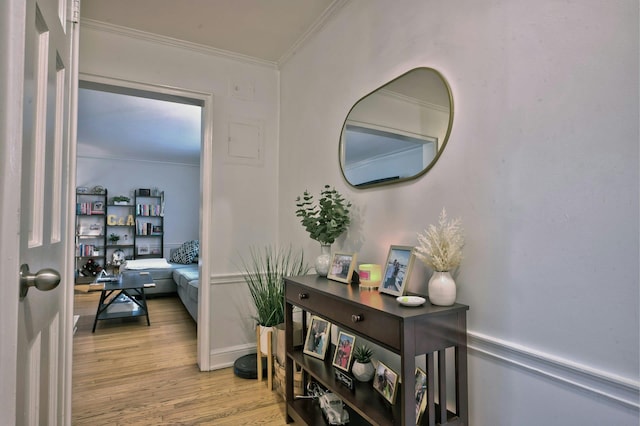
column 357, row 318
column 303, row 296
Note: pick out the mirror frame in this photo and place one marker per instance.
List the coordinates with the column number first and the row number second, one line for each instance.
column 438, row 152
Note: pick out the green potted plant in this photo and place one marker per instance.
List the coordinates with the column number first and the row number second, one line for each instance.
column 325, row 221
column 264, row 274
column 362, row 368
column 120, row 200
column 114, row 238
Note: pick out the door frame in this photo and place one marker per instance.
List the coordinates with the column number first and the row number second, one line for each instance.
column 12, row 44
column 206, row 211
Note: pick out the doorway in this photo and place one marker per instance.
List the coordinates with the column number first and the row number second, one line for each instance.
column 125, row 132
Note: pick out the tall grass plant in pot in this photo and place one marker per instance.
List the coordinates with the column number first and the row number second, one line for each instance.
column 264, row 273
column 440, row 248
column 324, row 220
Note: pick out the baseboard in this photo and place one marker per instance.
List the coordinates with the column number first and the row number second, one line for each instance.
column 602, row 383
column 225, row 357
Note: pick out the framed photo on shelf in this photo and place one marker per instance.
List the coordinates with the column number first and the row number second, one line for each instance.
column 397, row 270
column 420, row 394
column 144, row 192
column 341, row 267
column 317, row 340
column 91, row 229
column 97, row 207
column 344, row 351
column 385, row 382
column 156, row 229
column 144, row 249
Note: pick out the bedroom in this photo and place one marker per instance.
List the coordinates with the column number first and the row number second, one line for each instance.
column 129, row 139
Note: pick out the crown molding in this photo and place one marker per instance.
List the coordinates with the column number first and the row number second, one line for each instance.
column 173, row 42
column 326, row 16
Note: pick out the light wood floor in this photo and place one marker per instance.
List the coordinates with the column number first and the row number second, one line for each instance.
column 129, row 374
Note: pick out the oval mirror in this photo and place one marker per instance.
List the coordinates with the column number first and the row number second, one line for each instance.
column 397, row 132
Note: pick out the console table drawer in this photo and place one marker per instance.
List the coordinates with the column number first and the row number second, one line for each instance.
column 375, row 324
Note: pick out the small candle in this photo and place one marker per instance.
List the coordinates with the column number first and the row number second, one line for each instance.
column 370, row 275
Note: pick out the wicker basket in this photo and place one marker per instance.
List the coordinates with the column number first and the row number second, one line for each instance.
column 280, row 380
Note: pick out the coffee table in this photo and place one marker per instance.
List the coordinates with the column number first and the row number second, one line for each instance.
column 123, row 297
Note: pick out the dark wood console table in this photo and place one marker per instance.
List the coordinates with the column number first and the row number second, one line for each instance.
column 406, row 331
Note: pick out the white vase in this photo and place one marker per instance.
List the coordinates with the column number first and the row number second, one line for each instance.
column 442, row 289
column 363, row 372
column 323, row 261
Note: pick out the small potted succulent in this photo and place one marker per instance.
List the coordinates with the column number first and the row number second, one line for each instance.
column 362, row 368
column 114, row 238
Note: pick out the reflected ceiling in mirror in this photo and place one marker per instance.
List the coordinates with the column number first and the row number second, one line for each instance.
column 397, row 132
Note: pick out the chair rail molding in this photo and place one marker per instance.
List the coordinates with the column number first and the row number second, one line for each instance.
column 602, row 383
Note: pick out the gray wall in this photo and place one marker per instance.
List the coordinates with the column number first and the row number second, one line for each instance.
column 244, row 196
column 542, row 167
column 180, row 183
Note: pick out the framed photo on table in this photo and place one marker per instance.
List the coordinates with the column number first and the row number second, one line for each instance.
column 385, row 382
column 341, row 267
column 397, row 270
column 317, row 340
column 344, row 351
column 420, row 394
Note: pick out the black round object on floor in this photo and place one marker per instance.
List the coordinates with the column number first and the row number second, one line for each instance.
column 247, row 367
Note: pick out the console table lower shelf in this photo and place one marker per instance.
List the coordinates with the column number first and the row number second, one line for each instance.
column 375, row 410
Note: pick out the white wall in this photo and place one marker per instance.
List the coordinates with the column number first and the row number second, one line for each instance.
column 542, row 167
column 244, row 206
column 180, row 183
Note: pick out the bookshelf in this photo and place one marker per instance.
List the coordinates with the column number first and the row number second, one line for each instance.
column 90, row 235
column 120, row 230
column 149, row 224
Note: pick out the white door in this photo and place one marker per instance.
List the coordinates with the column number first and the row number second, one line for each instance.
column 38, row 80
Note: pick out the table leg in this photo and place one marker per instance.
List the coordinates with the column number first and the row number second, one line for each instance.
column 146, row 308
column 103, row 295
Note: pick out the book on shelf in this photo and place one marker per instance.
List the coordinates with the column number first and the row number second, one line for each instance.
column 148, row 210
column 144, row 228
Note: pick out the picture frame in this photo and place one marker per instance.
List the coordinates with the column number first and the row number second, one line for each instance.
column 420, row 394
column 344, row 351
column 156, row 229
column 90, row 229
column 341, row 267
column 144, row 192
column 385, row 381
column 397, row 270
column 318, row 337
column 97, row 207
column 144, row 249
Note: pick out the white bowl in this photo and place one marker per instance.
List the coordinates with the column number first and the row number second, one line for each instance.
column 411, row 300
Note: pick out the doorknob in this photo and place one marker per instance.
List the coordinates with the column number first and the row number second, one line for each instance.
column 44, row 280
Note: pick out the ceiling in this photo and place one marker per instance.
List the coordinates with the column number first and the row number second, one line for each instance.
column 115, row 125
column 262, row 29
